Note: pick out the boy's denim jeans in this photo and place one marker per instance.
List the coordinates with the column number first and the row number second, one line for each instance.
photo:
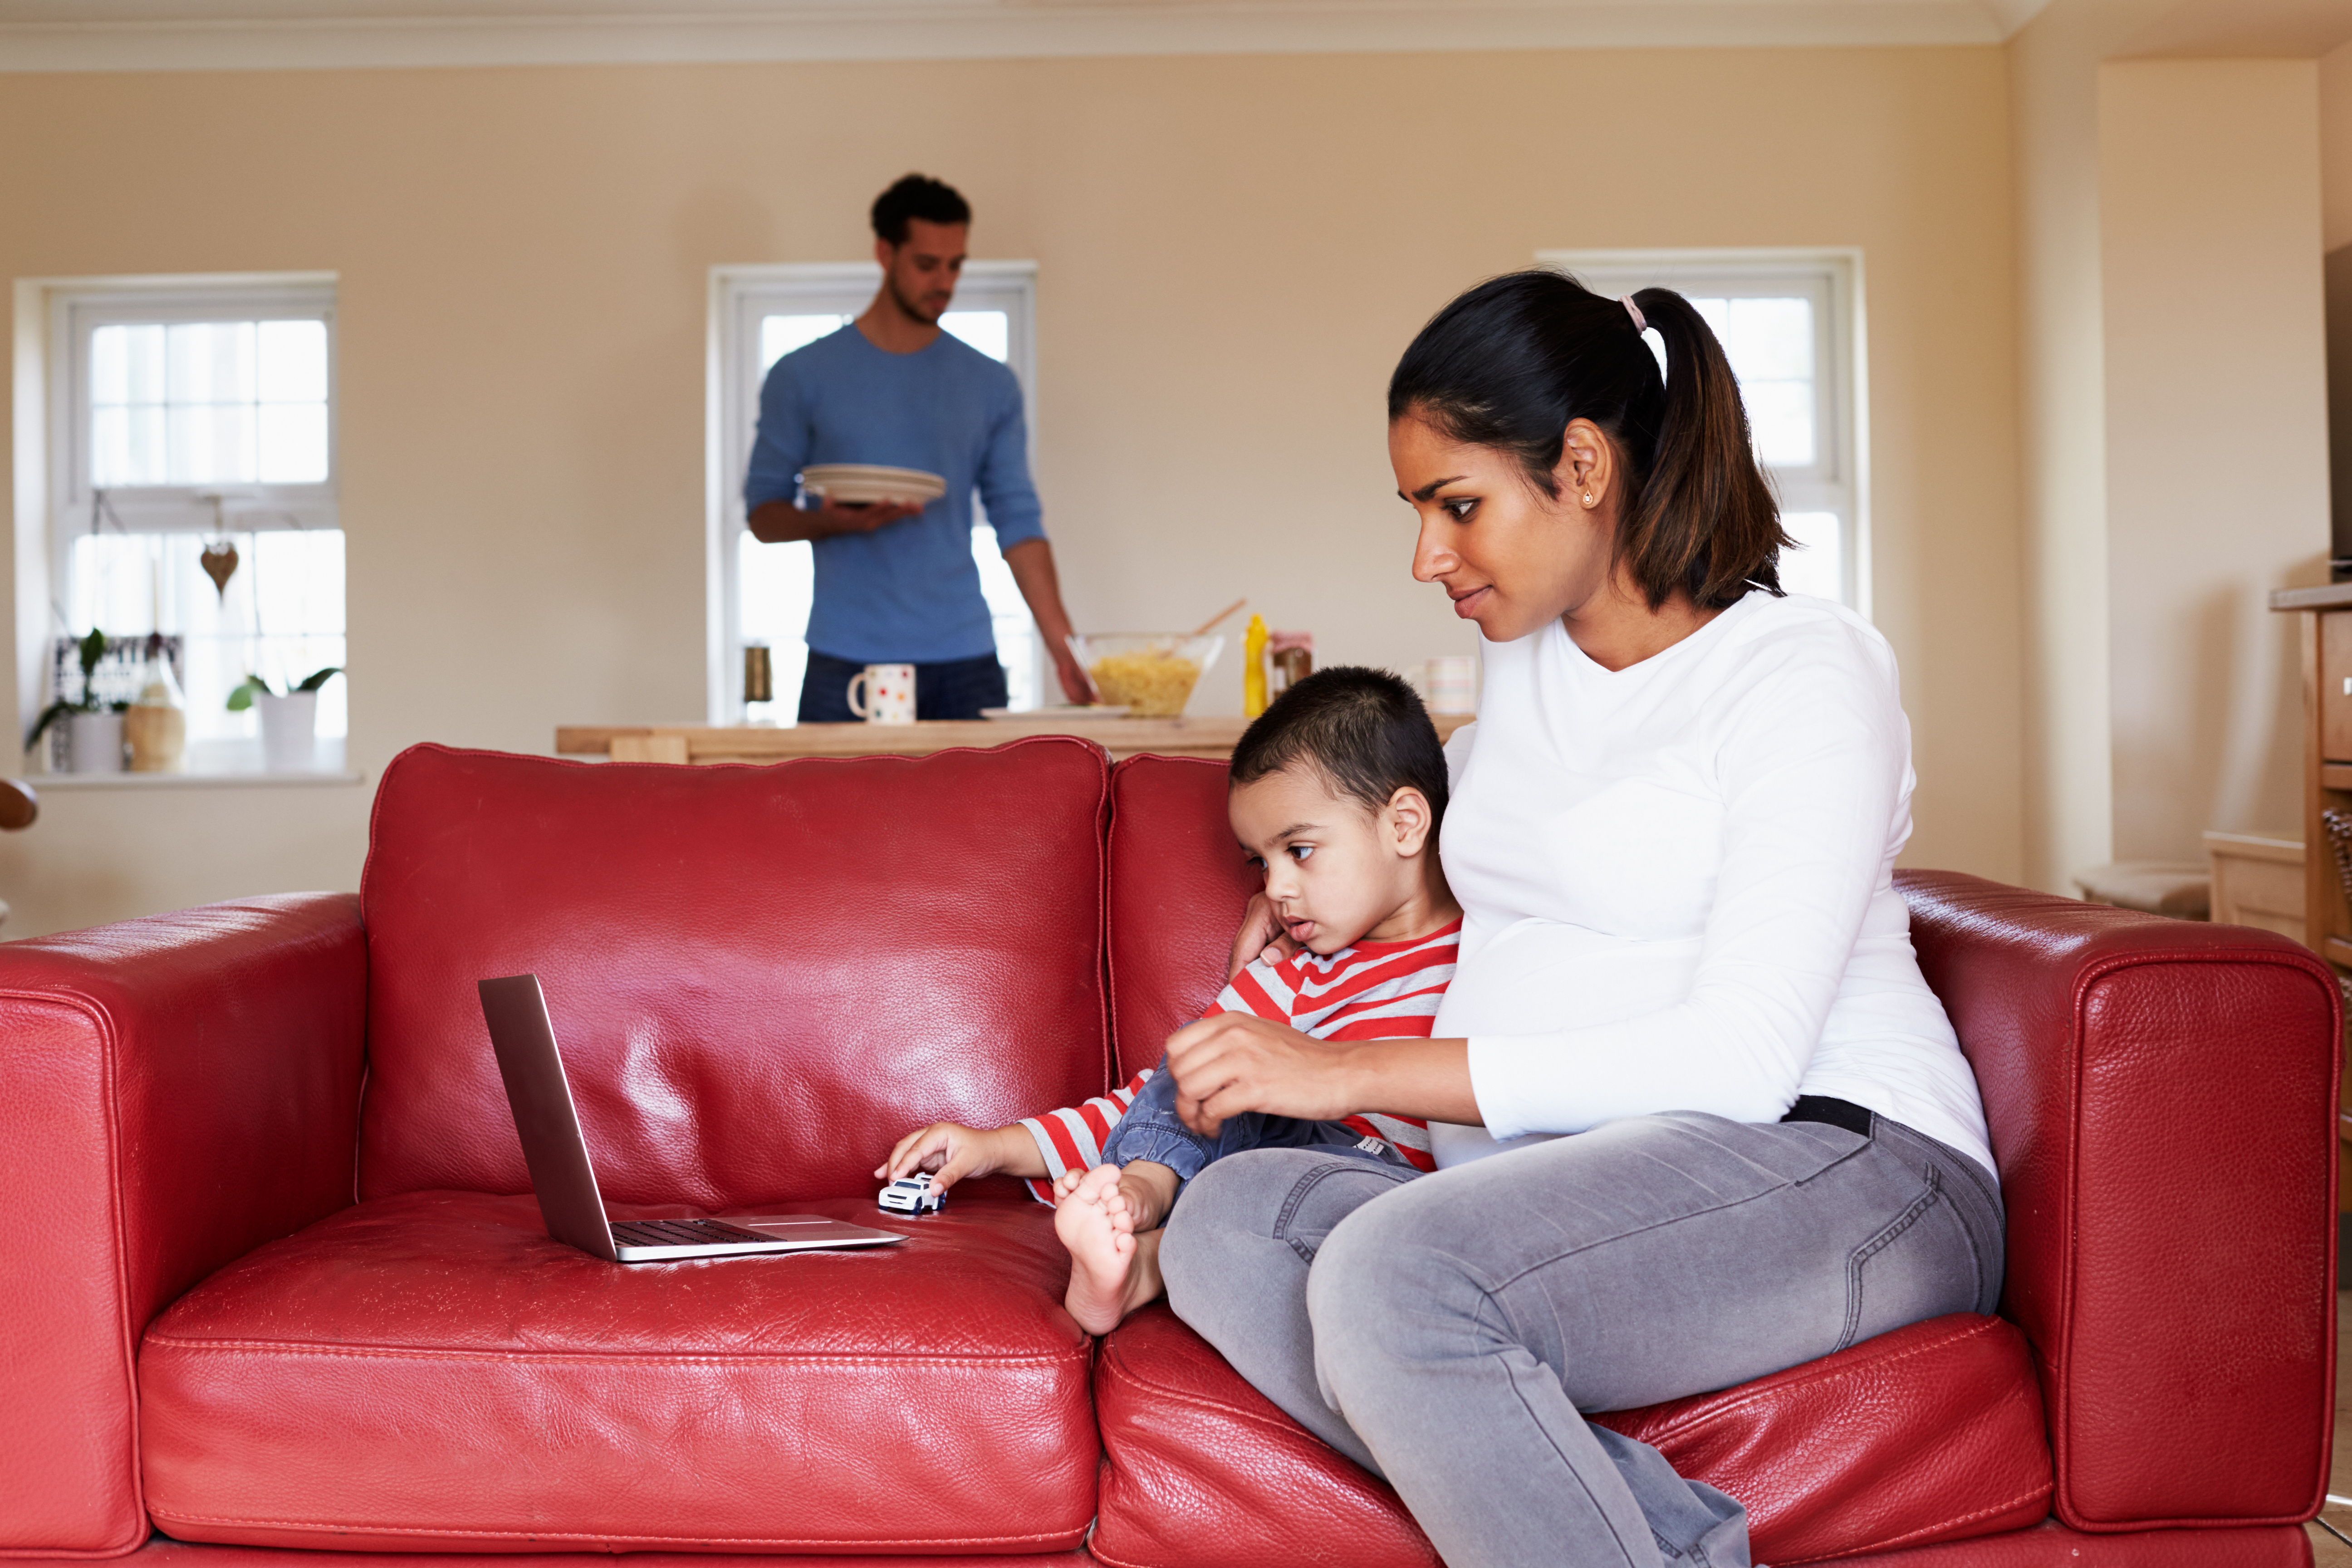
column 1151, row 1130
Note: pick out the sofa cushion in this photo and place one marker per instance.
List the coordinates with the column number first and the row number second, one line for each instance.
column 759, row 976
column 1178, row 884
column 1930, row 1433
column 431, row 1371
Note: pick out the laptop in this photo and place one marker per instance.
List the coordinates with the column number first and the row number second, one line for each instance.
column 566, row 1182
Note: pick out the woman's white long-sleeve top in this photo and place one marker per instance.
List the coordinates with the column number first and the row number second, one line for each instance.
column 1677, row 886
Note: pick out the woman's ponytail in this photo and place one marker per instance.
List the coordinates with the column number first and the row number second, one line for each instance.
column 1704, row 520
column 1512, row 362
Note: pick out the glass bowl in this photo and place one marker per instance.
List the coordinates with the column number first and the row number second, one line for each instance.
column 1151, row 674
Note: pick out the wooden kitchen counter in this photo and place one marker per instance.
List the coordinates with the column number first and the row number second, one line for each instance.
column 1204, row 737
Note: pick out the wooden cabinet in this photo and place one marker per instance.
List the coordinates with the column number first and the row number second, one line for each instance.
column 2327, row 616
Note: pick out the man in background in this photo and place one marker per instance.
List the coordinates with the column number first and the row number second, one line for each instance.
column 895, row 583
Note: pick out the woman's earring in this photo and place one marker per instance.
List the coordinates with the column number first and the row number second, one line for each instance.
column 1588, row 498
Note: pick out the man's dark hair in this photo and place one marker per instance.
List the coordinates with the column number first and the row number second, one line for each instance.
column 917, row 195
column 1364, row 730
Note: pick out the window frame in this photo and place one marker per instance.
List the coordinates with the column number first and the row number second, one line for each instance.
column 1838, row 479
column 740, row 296
column 54, row 321
column 76, row 311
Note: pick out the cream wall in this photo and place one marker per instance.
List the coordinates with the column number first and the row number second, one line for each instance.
column 2336, row 148
column 2217, row 438
column 2169, row 227
column 1231, row 250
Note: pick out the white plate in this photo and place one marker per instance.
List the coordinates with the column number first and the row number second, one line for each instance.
column 1059, row 710
column 868, row 482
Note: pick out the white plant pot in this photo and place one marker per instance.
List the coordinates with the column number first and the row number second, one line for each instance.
column 288, row 725
column 94, row 742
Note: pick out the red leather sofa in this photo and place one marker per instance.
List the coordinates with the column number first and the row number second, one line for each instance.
column 276, row 1284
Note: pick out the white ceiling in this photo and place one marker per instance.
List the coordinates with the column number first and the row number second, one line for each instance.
column 198, row 35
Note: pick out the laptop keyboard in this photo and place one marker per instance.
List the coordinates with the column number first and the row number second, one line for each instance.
column 681, row 1233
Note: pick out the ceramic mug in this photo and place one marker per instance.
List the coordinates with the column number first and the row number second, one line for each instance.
column 1449, row 684
column 890, row 696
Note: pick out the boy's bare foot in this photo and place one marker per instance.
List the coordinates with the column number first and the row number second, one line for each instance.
column 1098, row 1226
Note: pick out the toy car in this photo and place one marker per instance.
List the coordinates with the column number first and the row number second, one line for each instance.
column 911, row 1195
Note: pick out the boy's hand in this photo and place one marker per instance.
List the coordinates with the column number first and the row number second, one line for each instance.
column 949, row 1151
column 1261, row 936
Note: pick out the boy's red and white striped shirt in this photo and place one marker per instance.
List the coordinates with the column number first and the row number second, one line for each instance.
column 1372, row 991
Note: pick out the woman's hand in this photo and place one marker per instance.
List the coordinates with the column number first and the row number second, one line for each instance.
column 949, row 1151
column 1237, row 1061
column 1261, row 936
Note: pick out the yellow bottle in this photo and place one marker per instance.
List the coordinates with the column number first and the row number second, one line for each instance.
column 1253, row 668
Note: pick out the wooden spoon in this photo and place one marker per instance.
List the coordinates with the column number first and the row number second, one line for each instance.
column 1203, row 629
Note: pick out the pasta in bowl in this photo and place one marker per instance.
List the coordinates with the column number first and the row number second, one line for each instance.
column 1151, row 674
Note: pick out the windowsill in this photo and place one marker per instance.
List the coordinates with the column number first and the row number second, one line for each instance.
column 45, row 782
column 218, row 764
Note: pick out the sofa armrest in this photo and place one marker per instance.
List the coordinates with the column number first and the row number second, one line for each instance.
column 174, row 1092
column 2162, row 1097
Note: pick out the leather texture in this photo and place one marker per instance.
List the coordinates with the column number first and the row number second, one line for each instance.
column 163, row 1553
column 175, row 1093
column 431, row 1372
column 761, row 977
column 2162, row 1098
column 2052, row 1545
column 1932, row 1432
column 1178, row 884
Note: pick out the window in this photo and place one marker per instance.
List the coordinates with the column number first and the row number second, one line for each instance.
column 761, row 593
column 187, row 420
column 1791, row 323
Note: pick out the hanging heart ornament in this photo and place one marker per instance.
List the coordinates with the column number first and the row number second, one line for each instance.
column 219, row 562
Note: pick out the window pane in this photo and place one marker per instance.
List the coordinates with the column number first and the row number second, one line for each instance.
column 1781, row 420
column 780, row 335
column 212, row 442
column 1770, row 338
column 990, row 331
column 293, row 366
column 196, row 403
column 293, row 443
column 211, row 362
column 281, row 616
column 1770, row 342
column 1817, row 566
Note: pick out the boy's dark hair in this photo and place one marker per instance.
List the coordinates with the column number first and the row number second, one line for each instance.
column 1364, row 730
column 917, row 195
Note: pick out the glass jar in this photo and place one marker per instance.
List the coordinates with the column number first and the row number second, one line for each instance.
column 156, row 726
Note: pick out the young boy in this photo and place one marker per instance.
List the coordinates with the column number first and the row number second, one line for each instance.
column 1336, row 793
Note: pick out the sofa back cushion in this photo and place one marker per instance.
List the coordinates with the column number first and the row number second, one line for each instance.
column 759, row 976
column 1177, row 885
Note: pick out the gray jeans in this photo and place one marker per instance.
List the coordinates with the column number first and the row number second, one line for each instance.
column 1445, row 1331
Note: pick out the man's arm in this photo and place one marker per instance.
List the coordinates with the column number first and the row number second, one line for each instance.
column 775, row 521
column 1032, row 561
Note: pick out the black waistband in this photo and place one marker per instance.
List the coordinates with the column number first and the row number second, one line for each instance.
column 1837, row 1113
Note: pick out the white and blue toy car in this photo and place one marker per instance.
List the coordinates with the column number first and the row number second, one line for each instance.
column 911, row 1195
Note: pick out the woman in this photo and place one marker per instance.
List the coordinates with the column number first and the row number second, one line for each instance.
column 1673, row 834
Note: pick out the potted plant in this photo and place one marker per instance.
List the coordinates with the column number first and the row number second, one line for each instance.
column 290, row 720
column 93, row 729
